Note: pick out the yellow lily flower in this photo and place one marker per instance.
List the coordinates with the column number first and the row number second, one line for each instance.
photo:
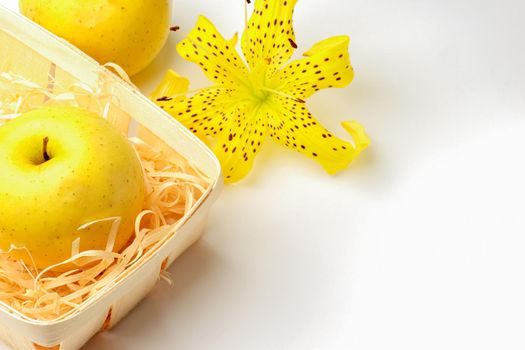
column 262, row 96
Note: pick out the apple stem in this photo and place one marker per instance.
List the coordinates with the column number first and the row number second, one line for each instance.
column 46, row 156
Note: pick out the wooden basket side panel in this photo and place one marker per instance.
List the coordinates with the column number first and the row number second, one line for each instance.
column 124, row 305
column 181, row 244
column 16, row 60
column 76, row 339
column 14, row 340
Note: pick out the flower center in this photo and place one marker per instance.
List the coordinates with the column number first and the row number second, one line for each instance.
column 260, row 95
column 257, row 89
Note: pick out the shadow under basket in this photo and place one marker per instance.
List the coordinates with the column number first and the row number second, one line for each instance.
column 29, row 51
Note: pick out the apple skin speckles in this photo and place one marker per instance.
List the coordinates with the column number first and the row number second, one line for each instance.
column 93, row 173
column 130, row 35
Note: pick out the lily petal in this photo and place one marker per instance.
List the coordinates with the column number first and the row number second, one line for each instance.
column 237, row 148
column 172, row 86
column 203, row 113
column 327, row 65
column 293, row 126
column 269, row 39
column 216, row 56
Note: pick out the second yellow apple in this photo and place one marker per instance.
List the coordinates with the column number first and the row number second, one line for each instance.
column 127, row 32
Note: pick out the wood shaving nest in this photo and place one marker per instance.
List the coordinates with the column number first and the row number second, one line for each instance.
column 173, row 186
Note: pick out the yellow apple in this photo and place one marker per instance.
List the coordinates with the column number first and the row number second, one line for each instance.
column 127, row 32
column 61, row 168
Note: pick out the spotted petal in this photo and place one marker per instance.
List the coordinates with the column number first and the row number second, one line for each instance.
column 237, row 147
column 217, row 56
column 269, row 39
column 293, row 126
column 327, row 65
column 203, row 113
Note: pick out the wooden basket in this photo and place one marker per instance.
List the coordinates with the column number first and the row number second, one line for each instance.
column 34, row 53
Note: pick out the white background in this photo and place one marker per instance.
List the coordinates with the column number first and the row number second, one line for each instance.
column 419, row 245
